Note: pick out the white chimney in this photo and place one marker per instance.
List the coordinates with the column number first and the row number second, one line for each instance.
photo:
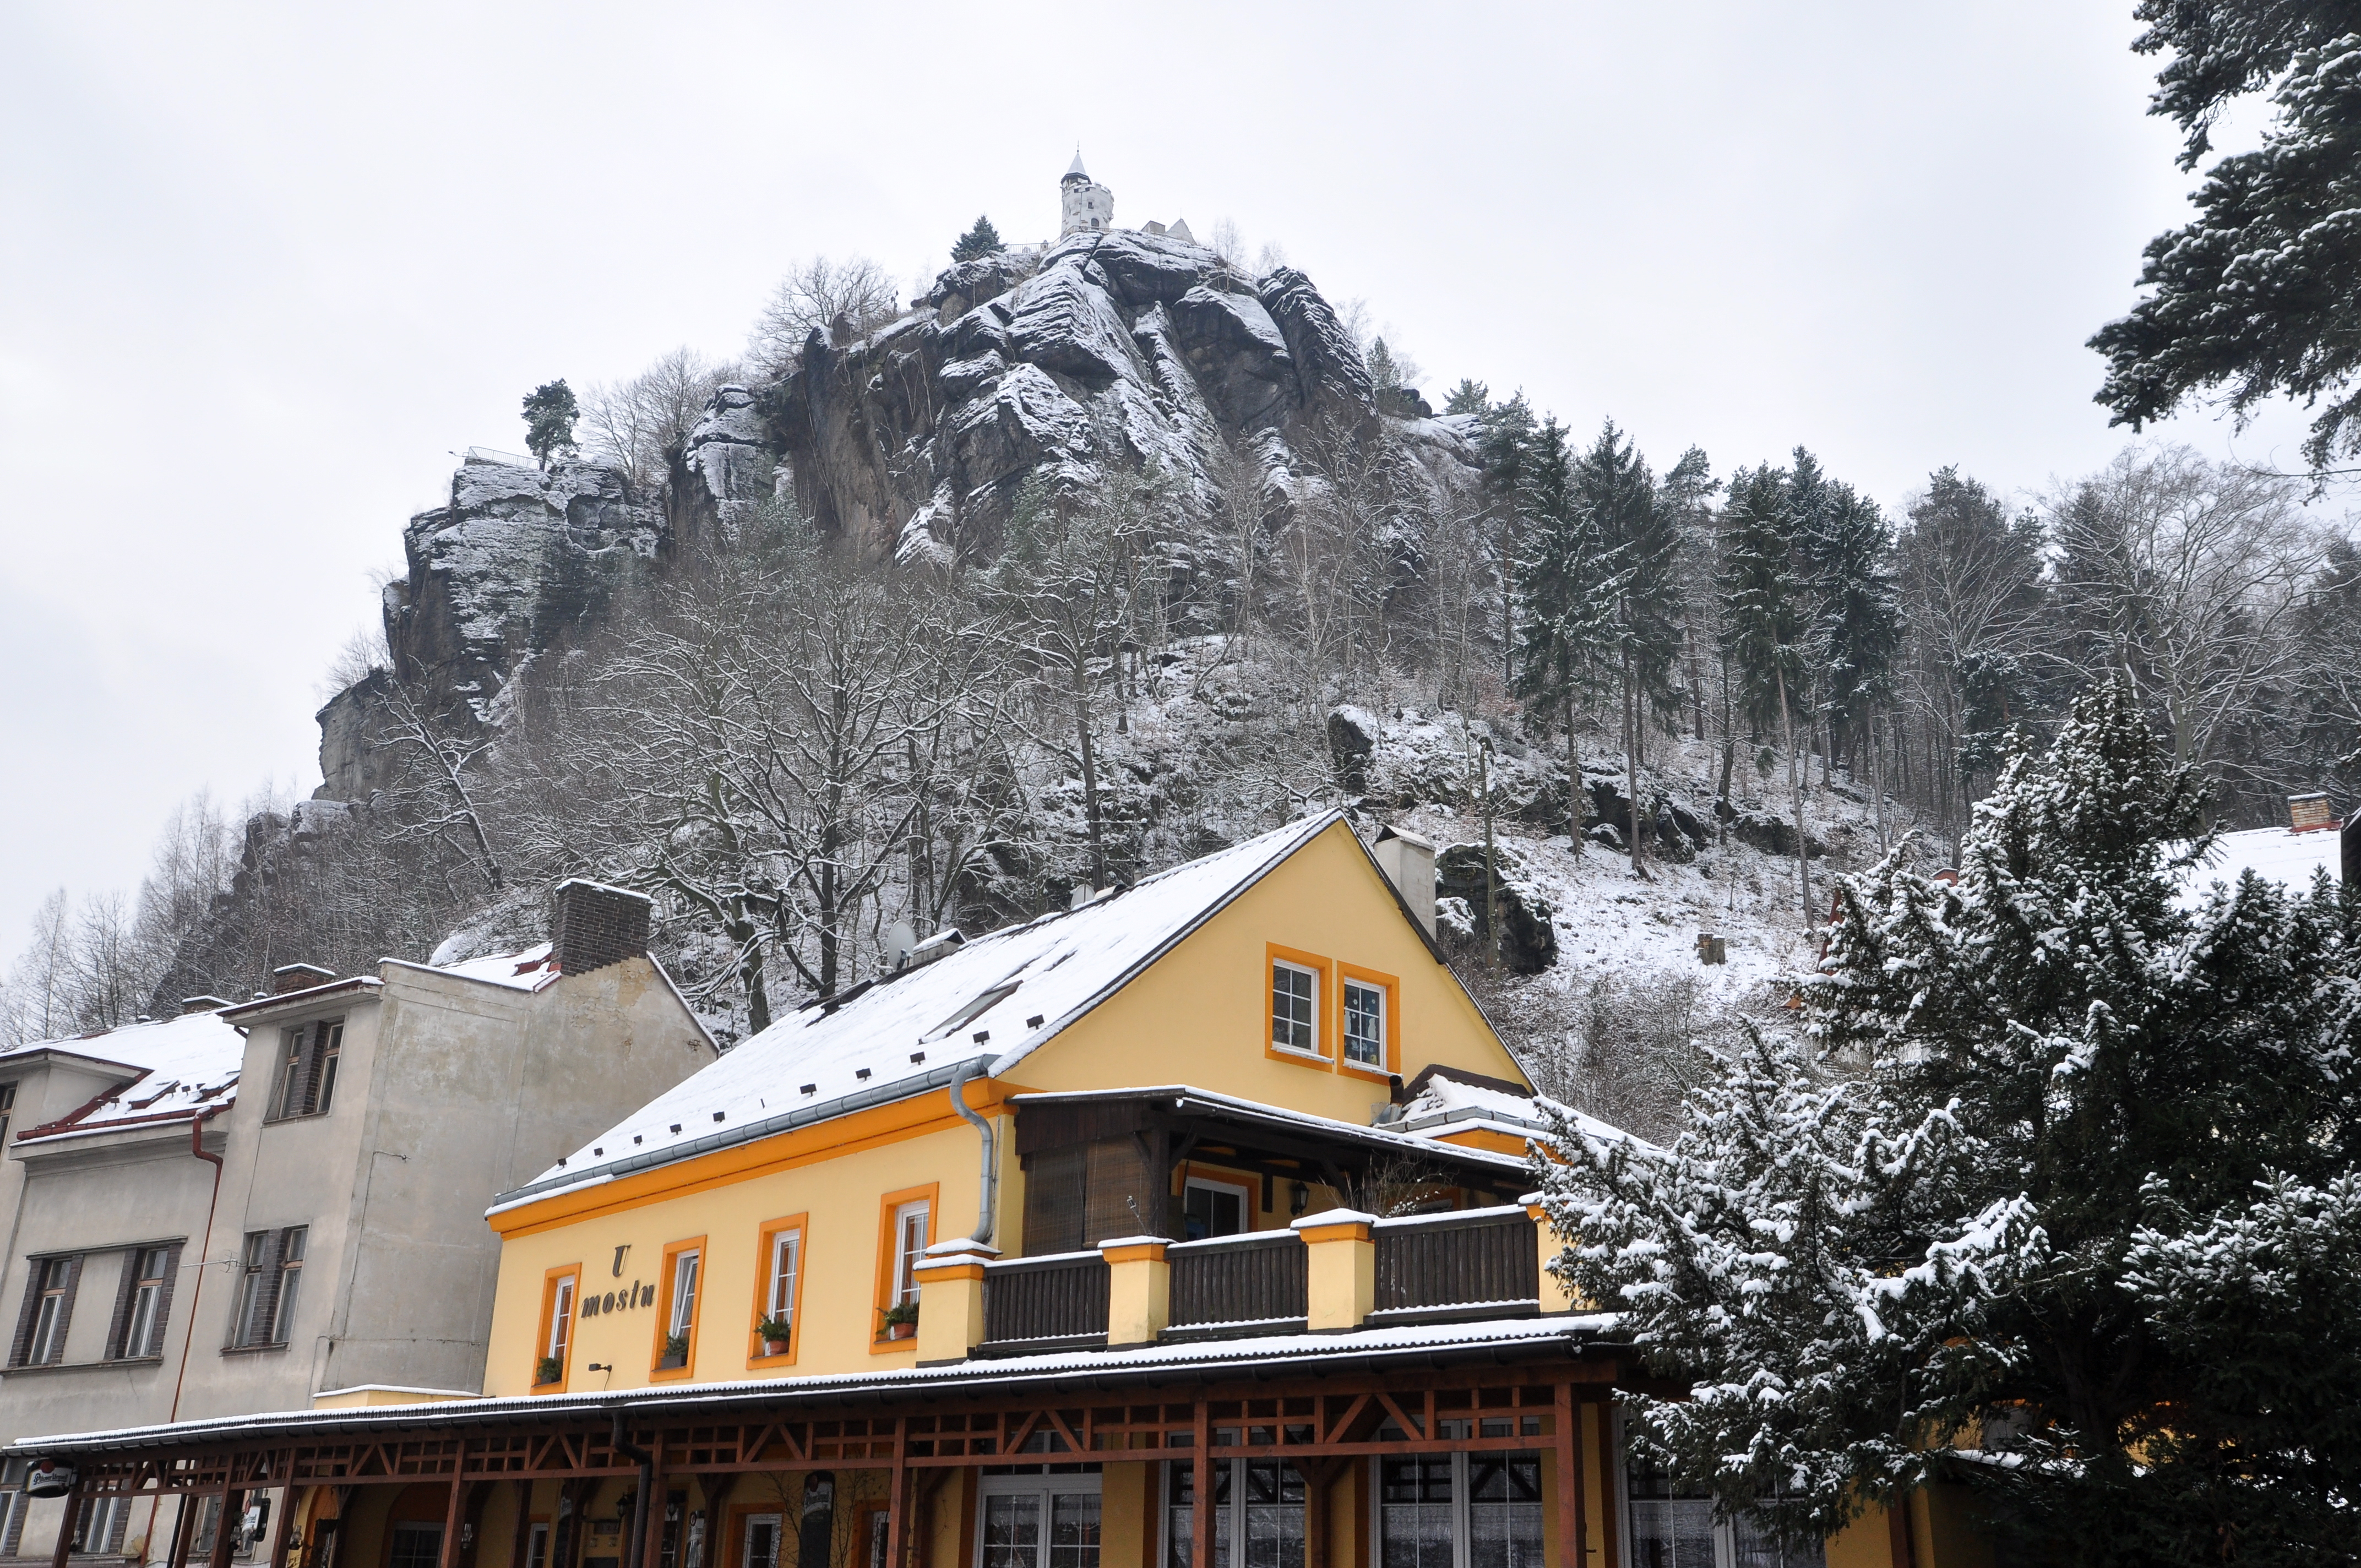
column 1408, row 862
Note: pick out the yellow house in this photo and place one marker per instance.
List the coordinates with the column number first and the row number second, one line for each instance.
column 1208, row 1191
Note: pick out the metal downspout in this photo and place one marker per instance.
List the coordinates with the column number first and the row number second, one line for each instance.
column 988, row 1204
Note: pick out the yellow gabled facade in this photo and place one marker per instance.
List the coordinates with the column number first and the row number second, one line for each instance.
column 838, row 1192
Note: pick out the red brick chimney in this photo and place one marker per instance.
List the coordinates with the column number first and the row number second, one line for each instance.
column 299, row 977
column 598, row 925
column 2308, row 813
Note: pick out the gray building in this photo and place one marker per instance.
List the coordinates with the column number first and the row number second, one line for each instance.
column 280, row 1202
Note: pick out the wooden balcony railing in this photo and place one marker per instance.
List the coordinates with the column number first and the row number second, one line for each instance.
column 1482, row 1257
column 1045, row 1303
column 1235, row 1281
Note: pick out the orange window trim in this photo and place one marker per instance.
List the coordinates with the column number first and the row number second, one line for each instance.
column 657, row 1372
column 1325, row 1024
column 1393, row 988
column 549, row 1283
column 877, row 1127
column 886, row 1243
column 755, row 1358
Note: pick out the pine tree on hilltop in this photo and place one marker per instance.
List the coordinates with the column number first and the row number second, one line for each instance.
column 549, row 415
column 980, row 241
column 1383, row 375
column 2057, row 1200
column 1470, row 397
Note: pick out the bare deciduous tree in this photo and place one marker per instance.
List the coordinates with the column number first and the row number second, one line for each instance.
column 848, row 299
column 637, row 425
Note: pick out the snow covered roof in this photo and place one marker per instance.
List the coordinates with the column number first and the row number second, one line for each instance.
column 993, row 1001
column 1563, row 1335
column 1444, row 1106
column 176, row 1068
column 2278, row 854
column 530, row 969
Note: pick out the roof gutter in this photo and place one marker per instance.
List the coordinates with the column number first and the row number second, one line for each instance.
column 517, row 1412
column 745, row 1132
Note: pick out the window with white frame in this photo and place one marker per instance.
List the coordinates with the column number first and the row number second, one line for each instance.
column 1213, row 1208
column 682, row 1320
column 785, row 1260
column 269, row 1287
column 7, row 1109
column 309, row 1055
column 1258, row 1512
column 48, row 1306
column 561, row 1322
column 1461, row 1511
column 1364, row 1024
column 98, row 1528
column 910, row 1251
column 1294, row 1007
column 1039, row 1517
column 147, row 1295
column 1671, row 1525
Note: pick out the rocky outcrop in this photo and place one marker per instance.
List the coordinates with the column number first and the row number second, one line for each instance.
column 1106, row 349
column 1528, row 934
column 519, row 557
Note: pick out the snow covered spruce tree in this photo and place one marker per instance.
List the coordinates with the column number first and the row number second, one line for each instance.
column 2054, row 1198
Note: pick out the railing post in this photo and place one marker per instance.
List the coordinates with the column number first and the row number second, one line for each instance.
column 1554, row 1296
column 950, row 1299
column 1140, row 1289
column 1340, row 1268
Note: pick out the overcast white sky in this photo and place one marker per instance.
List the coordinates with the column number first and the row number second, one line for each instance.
column 262, row 269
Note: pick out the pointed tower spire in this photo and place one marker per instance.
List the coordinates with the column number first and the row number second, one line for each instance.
column 1075, row 170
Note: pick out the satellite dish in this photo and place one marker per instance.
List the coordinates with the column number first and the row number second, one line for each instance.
column 899, row 940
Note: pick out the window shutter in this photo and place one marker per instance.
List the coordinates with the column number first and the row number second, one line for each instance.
column 23, row 1345
column 302, row 1072
column 66, row 1302
column 164, row 1297
column 118, row 1324
column 18, row 1502
column 114, row 1544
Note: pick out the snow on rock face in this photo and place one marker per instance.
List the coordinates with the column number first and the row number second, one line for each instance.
column 516, row 551
column 722, row 468
column 1106, row 348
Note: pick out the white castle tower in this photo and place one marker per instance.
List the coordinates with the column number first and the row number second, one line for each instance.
column 1084, row 207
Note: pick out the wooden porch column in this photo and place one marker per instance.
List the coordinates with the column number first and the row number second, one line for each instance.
column 652, row 1517
column 184, row 1529
column 897, row 1502
column 450, row 1511
column 521, row 1538
column 283, row 1536
column 233, row 1503
column 66, row 1522
column 1572, row 1521
column 1317, row 1475
column 1201, row 1507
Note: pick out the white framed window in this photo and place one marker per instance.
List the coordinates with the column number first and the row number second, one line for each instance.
column 1294, row 1008
column 684, row 1292
column 1364, row 1024
column 53, row 1293
column 143, row 1323
column 787, row 1259
column 308, row 1057
column 270, row 1285
column 98, row 1529
column 7, row 1109
column 1670, row 1524
column 909, row 1250
column 1045, row 1516
column 759, row 1548
column 1212, row 1208
column 561, row 1320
